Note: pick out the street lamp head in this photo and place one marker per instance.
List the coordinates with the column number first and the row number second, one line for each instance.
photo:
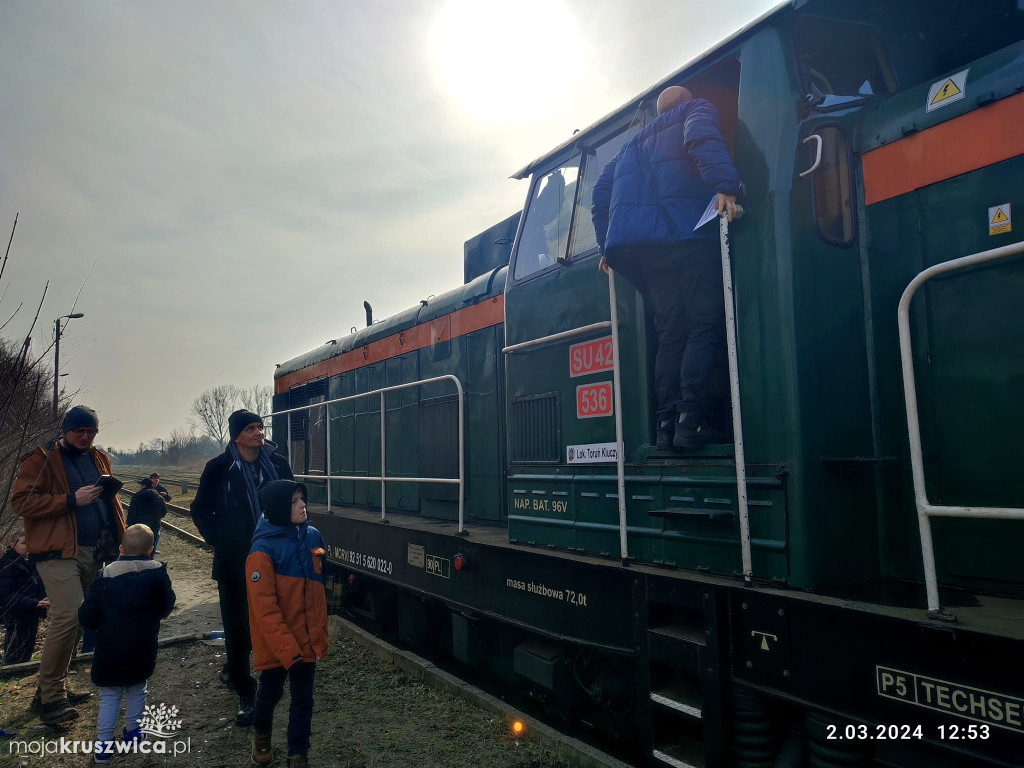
column 76, row 315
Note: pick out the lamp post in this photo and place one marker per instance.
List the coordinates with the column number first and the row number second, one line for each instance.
column 56, row 354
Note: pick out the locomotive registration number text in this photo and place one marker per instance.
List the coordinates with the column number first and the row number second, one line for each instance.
column 594, row 400
column 591, row 357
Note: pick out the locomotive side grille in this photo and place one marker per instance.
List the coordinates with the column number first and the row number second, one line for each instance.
column 536, row 433
column 439, row 445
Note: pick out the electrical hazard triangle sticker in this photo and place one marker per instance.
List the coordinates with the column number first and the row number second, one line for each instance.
column 947, row 91
column 999, row 219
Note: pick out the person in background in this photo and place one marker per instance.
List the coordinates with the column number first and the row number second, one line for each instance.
column 125, row 605
column 22, row 601
column 164, row 494
column 225, row 511
column 147, row 508
column 645, row 207
column 69, row 519
column 287, row 616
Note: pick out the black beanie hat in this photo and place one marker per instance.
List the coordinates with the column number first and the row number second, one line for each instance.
column 239, row 420
column 276, row 500
column 146, row 482
column 80, row 416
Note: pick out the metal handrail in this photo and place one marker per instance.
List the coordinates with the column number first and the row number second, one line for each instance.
column 732, row 350
column 613, row 323
column 925, row 509
column 383, row 478
column 582, row 330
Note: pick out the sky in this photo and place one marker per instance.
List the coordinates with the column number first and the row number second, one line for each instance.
column 220, row 185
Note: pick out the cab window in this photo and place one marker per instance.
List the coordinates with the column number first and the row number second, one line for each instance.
column 584, row 240
column 544, row 237
column 833, row 189
column 841, row 61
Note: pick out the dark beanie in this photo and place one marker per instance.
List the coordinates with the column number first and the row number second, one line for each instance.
column 239, row 420
column 276, row 500
column 80, row 416
column 146, row 482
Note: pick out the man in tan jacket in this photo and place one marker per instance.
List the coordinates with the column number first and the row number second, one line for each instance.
column 67, row 516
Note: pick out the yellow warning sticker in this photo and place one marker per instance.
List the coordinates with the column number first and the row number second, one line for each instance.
column 947, row 91
column 999, row 219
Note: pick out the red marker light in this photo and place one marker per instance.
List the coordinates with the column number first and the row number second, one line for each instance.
column 460, row 561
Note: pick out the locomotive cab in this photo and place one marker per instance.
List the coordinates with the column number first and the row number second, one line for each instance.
column 809, row 108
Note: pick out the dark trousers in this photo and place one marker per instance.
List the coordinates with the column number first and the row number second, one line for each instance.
column 300, row 714
column 682, row 284
column 19, row 640
column 234, row 611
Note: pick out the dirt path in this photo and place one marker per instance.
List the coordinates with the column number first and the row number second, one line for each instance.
column 368, row 713
column 197, row 610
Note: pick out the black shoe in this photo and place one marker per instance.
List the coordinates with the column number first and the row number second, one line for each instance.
column 58, row 711
column 78, row 698
column 665, row 434
column 246, row 710
column 696, row 433
column 226, row 679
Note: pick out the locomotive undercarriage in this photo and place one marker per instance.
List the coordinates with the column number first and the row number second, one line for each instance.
column 676, row 667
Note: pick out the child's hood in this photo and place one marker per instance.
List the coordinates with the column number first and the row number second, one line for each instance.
column 276, row 500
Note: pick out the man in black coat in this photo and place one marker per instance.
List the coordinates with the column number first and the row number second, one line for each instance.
column 225, row 511
column 164, row 493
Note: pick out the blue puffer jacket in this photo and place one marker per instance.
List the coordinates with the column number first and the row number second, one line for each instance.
column 655, row 190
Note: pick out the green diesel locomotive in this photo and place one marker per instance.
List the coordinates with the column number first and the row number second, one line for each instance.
column 844, row 585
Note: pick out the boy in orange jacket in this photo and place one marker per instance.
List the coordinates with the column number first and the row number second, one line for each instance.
column 287, row 615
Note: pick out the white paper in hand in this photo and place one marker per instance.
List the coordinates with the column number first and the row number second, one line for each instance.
column 709, row 213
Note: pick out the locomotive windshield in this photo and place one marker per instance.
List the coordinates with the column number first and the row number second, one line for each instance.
column 545, row 232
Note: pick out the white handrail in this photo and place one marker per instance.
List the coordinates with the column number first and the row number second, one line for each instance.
column 734, row 390
column 616, row 393
column 583, row 329
column 383, row 478
column 620, row 448
column 925, row 509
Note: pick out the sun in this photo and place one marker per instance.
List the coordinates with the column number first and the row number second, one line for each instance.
column 505, row 61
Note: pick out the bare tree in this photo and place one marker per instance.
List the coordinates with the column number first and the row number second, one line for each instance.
column 257, row 398
column 211, row 410
column 30, row 422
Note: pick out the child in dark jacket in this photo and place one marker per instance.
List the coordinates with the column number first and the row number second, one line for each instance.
column 287, row 615
column 126, row 602
column 22, row 601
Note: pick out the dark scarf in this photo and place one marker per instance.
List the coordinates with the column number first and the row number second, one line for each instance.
column 266, row 470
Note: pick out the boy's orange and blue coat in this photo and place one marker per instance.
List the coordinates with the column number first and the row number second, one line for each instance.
column 287, row 597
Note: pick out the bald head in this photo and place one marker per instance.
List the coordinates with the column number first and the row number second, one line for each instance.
column 672, row 97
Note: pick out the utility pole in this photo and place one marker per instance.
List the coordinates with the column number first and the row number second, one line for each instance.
column 56, row 354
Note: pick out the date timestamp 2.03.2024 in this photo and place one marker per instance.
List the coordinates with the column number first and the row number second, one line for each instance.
column 883, row 732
